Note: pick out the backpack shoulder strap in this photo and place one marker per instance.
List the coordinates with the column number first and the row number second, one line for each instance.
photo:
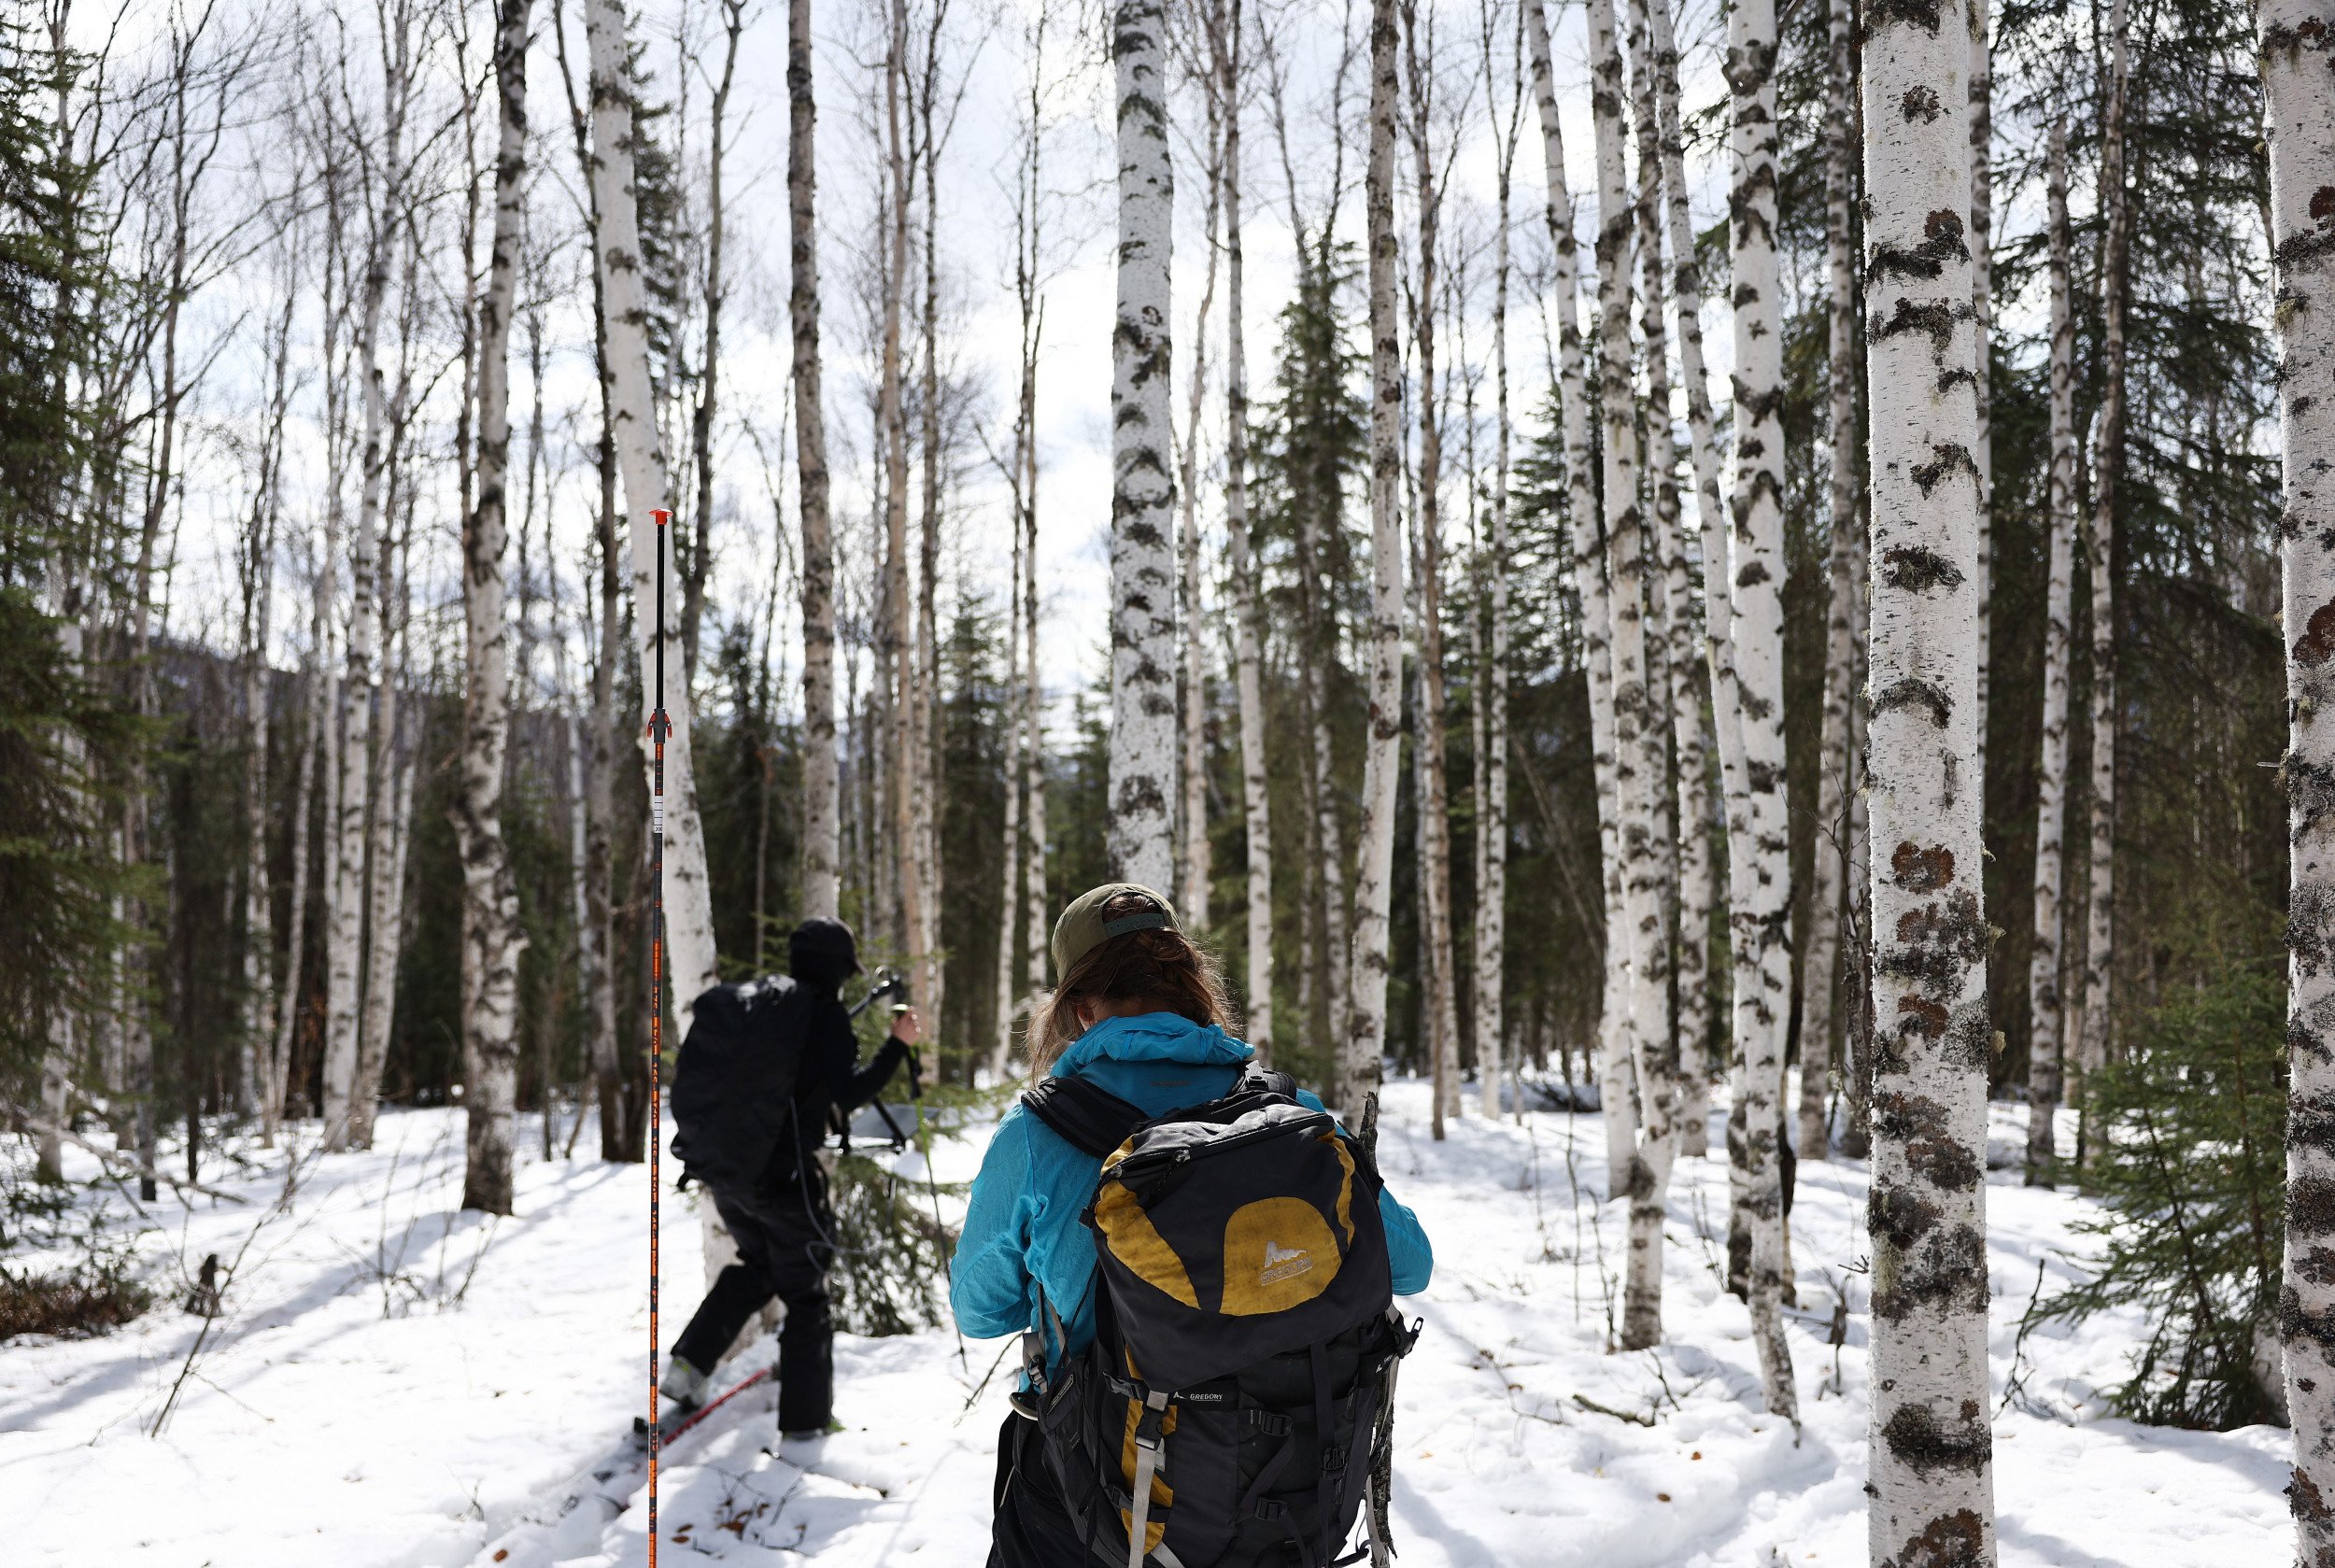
column 1090, row 1118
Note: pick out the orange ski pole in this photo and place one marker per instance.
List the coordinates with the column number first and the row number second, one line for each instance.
column 659, row 725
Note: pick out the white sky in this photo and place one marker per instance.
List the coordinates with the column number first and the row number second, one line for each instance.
column 227, row 318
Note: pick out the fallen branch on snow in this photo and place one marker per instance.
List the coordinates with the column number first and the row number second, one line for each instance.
column 1588, row 1404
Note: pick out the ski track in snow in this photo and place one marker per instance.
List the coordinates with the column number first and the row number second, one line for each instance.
column 349, row 1410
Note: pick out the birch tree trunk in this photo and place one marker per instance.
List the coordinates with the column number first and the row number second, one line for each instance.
column 345, row 898
column 2298, row 48
column 1010, row 859
column 1982, row 325
column 822, row 884
column 256, row 1026
column 2107, row 467
column 1360, row 1050
column 1328, row 847
column 697, row 546
column 314, row 744
column 1756, row 570
column 388, row 836
column 931, row 973
column 1192, row 846
column 616, row 245
column 898, row 643
column 1435, row 816
column 1686, row 854
column 1035, row 911
column 1932, row 1471
column 1143, row 496
column 1492, row 676
column 491, row 938
column 1589, row 577
column 1711, row 526
column 2051, row 771
column 1248, row 629
column 1830, row 875
column 1640, row 760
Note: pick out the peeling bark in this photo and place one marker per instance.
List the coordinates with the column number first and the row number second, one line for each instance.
column 1932, row 1484
column 491, row 938
column 1142, row 762
column 1831, row 874
column 1761, row 913
column 2298, row 62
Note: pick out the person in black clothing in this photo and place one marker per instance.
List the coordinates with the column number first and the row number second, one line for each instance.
column 782, row 1222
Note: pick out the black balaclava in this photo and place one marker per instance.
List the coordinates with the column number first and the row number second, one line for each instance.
column 823, row 953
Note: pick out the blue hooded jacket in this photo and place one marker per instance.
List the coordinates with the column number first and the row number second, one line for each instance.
column 1022, row 1232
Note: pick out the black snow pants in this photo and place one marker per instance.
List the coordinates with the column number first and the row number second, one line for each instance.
column 786, row 1239
column 1031, row 1527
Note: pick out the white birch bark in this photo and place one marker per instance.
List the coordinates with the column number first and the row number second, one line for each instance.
column 346, row 900
column 1829, row 873
column 2297, row 49
column 1710, row 518
column 1248, row 629
column 1982, row 322
column 1192, row 845
column 1590, row 583
column 1932, row 1475
column 1327, row 828
column 1688, row 867
column 1009, row 858
column 491, row 938
column 822, row 882
column 1492, row 668
column 2051, row 770
column 616, row 237
column 1362, row 1049
column 1761, row 922
column 1143, row 500
column 2107, row 467
column 1036, row 914
column 1427, row 721
column 1640, row 765
column 929, row 971
column 385, row 885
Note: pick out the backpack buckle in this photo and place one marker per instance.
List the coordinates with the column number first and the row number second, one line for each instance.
column 1147, row 1426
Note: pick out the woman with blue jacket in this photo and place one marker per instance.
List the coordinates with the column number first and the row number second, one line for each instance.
column 1141, row 1012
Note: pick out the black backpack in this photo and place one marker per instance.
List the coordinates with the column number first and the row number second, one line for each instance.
column 734, row 1081
column 1238, row 1399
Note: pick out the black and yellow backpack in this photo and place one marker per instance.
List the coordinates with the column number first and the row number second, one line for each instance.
column 1236, row 1402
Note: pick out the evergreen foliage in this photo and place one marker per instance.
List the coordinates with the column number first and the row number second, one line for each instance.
column 2191, row 1164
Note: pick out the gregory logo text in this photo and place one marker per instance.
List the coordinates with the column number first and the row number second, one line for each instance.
column 1283, row 1263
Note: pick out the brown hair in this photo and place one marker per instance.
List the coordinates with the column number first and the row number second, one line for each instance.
column 1162, row 968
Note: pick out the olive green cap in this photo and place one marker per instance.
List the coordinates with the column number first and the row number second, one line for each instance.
column 1083, row 929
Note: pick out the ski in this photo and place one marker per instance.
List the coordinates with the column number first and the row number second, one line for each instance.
column 633, row 1453
column 676, row 1422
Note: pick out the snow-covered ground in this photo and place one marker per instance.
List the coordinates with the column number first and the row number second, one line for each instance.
column 394, row 1383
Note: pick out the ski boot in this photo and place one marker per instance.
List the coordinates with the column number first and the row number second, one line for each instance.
column 683, row 1384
